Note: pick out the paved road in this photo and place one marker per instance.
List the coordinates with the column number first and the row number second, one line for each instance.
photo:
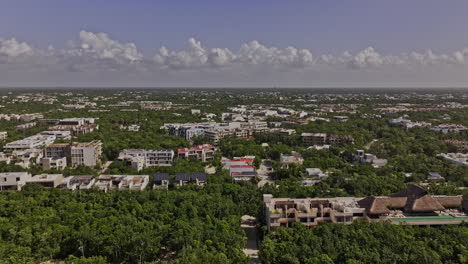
column 250, row 229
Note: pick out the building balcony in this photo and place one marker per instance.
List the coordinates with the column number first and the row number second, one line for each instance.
column 309, row 214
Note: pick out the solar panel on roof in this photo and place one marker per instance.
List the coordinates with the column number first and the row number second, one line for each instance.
column 201, row 176
column 161, row 176
column 182, row 177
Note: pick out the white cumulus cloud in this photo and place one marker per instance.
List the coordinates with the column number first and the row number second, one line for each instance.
column 101, row 46
column 13, row 48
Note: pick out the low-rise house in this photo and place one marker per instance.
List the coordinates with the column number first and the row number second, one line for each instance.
column 242, row 172
column 316, row 173
column 47, row 180
column 362, row 157
column 134, row 182
column 293, row 158
column 122, row 182
column 182, row 178
column 104, row 182
column 13, row 180
column 199, row 178
column 3, row 135
column 434, row 176
column 79, row 182
column 161, row 181
column 134, row 128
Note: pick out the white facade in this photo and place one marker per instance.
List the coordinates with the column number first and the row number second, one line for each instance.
column 148, row 158
column 87, row 154
column 13, row 180
column 30, row 142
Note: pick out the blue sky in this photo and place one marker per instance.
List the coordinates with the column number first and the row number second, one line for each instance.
column 392, row 29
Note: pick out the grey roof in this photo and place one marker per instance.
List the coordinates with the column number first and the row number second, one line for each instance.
column 253, row 173
column 182, row 176
column 86, row 179
column 161, row 176
column 201, row 176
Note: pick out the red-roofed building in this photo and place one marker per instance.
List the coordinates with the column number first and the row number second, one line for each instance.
column 203, row 152
column 240, row 168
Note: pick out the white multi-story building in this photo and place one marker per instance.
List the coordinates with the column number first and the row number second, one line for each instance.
column 159, row 157
column 88, row 153
column 148, row 158
column 30, row 142
column 13, row 180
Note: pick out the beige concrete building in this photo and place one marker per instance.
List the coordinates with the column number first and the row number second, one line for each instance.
column 87, row 153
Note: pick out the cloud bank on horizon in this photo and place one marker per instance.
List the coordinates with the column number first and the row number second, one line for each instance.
column 97, row 59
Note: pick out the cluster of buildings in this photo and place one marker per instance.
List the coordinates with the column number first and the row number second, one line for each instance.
column 406, row 123
column 411, row 206
column 141, row 158
column 449, row 128
column 76, row 126
column 17, row 180
column 21, row 117
column 54, row 156
column 319, row 139
column 216, row 131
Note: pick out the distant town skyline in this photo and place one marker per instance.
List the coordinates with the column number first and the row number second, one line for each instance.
column 233, row 44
